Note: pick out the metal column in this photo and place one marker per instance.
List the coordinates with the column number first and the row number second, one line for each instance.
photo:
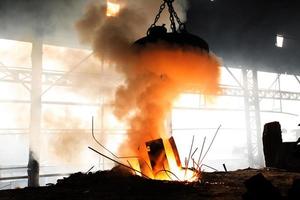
column 252, row 117
column 35, row 113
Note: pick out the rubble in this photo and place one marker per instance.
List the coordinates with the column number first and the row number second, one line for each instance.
column 258, row 187
column 116, row 184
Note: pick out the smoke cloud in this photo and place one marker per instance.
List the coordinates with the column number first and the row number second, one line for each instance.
column 66, row 146
column 154, row 78
column 110, row 37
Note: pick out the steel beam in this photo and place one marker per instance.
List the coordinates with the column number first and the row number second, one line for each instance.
column 252, row 117
column 35, row 113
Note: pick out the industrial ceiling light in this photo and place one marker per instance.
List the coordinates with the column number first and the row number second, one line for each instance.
column 279, row 40
column 178, row 37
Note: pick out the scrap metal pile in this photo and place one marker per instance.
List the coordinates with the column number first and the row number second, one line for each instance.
column 162, row 161
column 246, row 184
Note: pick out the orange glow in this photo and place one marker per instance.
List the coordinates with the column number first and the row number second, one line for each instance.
column 165, row 169
column 164, row 79
column 112, row 9
column 155, row 79
column 181, row 174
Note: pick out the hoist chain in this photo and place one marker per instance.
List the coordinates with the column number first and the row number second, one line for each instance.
column 171, row 11
column 181, row 25
column 173, row 16
column 161, row 9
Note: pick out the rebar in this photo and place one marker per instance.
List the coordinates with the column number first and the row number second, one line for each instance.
column 194, row 152
column 209, row 167
column 204, row 140
column 188, row 160
column 119, row 163
column 211, row 143
column 89, row 169
column 119, row 157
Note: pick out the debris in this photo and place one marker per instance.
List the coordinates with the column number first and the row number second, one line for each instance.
column 106, row 185
column 119, row 163
column 157, row 155
column 175, row 151
column 259, row 188
column 224, row 166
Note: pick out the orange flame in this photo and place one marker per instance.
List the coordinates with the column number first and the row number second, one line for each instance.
column 154, row 80
column 165, row 169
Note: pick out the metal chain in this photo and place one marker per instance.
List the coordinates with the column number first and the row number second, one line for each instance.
column 181, row 25
column 173, row 15
column 171, row 11
column 162, row 7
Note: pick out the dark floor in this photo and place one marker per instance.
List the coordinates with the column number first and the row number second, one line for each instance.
column 112, row 185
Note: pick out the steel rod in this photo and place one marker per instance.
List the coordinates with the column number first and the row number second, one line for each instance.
column 117, row 162
column 93, row 135
column 198, row 163
column 194, row 152
column 210, row 144
column 188, row 160
column 209, row 167
column 90, row 169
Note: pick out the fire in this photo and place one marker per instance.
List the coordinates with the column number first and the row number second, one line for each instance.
column 155, row 80
column 112, row 9
column 182, row 174
column 165, row 165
